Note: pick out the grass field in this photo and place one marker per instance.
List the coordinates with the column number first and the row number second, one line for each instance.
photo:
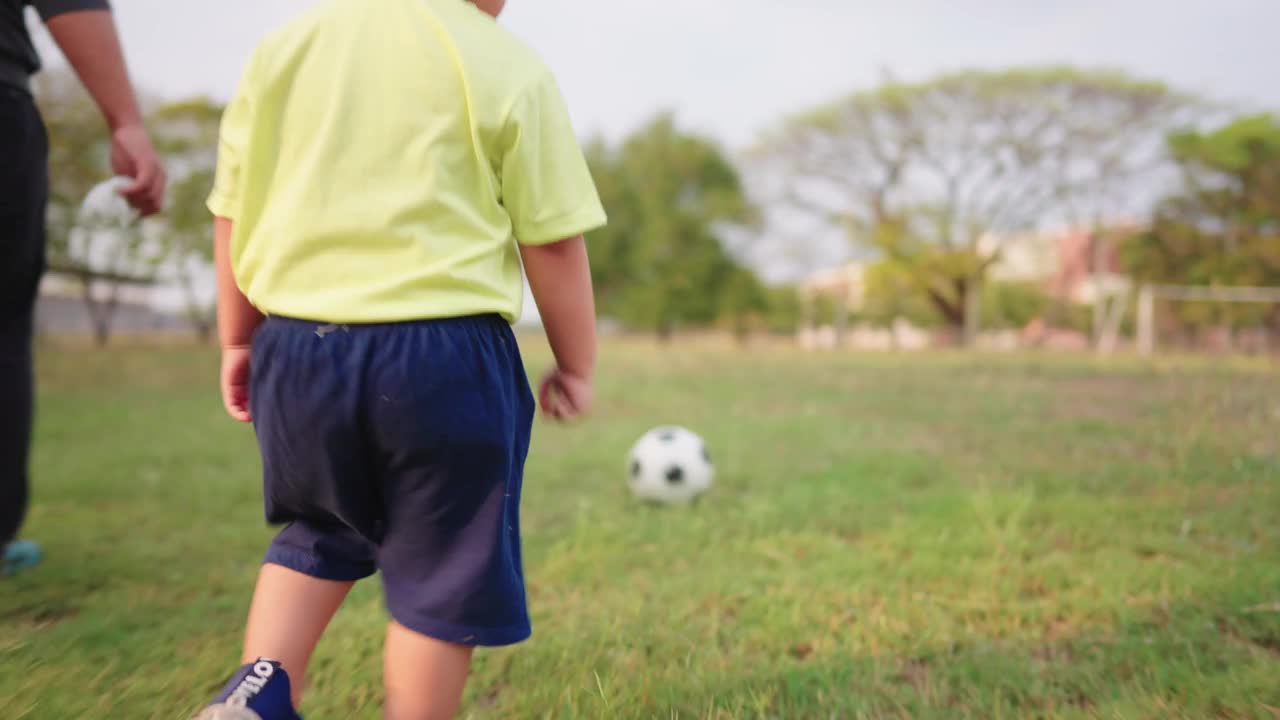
column 891, row 537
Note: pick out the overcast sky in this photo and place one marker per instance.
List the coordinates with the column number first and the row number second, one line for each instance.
column 733, row 67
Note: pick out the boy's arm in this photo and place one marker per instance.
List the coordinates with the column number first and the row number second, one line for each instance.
column 237, row 317
column 237, row 321
column 87, row 37
column 548, row 191
column 560, row 276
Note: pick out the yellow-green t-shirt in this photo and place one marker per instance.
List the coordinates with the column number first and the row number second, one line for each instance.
column 382, row 159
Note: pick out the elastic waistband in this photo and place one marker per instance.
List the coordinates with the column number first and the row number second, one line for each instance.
column 15, row 77
column 322, row 328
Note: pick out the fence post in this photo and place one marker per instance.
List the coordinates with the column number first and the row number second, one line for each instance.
column 842, row 316
column 1112, row 318
column 804, row 333
column 1147, row 320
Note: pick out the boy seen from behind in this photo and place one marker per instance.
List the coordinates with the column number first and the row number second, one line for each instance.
column 383, row 171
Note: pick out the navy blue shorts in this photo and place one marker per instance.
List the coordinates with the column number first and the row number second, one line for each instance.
column 400, row 449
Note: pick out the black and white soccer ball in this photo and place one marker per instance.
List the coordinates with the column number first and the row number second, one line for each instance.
column 670, row 465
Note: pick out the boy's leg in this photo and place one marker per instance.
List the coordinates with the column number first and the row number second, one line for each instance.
column 452, row 433
column 307, row 420
column 289, row 613
column 424, row 677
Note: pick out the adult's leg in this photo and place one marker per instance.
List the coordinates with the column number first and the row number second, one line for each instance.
column 16, row 379
column 24, row 187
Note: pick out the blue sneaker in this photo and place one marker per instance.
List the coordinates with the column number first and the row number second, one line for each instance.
column 19, row 555
column 259, row 691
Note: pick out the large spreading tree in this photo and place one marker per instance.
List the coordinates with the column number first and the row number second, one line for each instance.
column 935, row 175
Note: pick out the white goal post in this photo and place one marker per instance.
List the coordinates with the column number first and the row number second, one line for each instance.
column 1148, row 294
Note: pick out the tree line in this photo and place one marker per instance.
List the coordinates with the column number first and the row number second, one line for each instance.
column 926, row 180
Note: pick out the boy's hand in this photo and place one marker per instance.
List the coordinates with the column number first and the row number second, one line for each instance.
column 565, row 396
column 235, row 383
column 560, row 275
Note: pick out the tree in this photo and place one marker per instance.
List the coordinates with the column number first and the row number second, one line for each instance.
column 187, row 133
column 744, row 303
column 934, row 175
column 103, row 263
column 189, row 237
column 782, row 313
column 892, row 294
column 78, row 152
column 1223, row 226
column 1013, row 305
column 660, row 263
column 106, row 260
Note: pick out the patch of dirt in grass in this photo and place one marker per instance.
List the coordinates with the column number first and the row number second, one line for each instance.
column 489, row 698
column 1058, row 629
column 1099, row 398
column 1078, row 699
column 1053, row 652
column 915, row 672
column 1267, row 645
column 801, row 651
column 40, row 616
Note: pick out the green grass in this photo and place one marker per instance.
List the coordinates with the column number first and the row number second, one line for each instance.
column 891, row 537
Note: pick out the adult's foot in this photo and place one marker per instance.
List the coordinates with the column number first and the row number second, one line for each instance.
column 19, row 555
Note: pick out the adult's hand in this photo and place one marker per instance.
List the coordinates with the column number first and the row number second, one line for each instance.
column 132, row 155
column 88, row 39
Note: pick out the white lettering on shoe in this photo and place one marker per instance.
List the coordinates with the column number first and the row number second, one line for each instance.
column 251, row 685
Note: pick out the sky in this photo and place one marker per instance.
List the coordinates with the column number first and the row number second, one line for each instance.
column 733, row 68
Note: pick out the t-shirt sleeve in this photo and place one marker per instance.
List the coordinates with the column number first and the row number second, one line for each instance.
column 547, row 187
column 233, row 139
column 53, row 8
